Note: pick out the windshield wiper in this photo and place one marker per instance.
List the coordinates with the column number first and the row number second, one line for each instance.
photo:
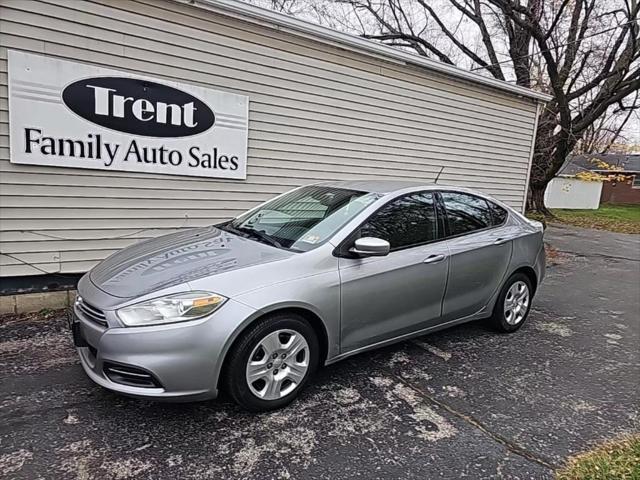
column 257, row 235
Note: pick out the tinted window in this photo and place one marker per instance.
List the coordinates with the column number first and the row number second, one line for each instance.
column 406, row 221
column 499, row 214
column 303, row 218
column 466, row 213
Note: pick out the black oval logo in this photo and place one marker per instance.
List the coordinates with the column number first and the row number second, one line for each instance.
column 139, row 107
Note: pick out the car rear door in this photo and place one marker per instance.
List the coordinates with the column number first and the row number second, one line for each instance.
column 480, row 251
column 385, row 297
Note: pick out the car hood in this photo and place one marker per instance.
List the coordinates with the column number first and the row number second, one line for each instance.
column 177, row 258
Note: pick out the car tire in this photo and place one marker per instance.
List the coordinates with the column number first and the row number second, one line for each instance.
column 513, row 304
column 276, row 381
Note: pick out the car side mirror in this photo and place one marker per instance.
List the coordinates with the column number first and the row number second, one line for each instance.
column 371, row 247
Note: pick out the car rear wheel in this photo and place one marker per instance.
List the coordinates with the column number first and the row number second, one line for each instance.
column 271, row 362
column 513, row 304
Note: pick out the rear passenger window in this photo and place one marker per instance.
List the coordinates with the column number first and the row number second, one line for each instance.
column 498, row 213
column 404, row 222
column 466, row 213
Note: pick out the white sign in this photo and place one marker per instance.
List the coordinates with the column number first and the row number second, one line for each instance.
column 70, row 114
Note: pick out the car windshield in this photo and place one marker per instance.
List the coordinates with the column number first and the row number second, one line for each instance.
column 302, row 219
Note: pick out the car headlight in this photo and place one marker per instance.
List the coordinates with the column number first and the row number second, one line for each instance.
column 170, row 309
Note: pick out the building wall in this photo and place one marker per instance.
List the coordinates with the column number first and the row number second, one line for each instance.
column 620, row 192
column 565, row 192
column 316, row 113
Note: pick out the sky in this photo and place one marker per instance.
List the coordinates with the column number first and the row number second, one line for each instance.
column 632, row 131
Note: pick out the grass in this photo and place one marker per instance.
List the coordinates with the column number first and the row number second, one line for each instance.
column 615, row 218
column 617, row 460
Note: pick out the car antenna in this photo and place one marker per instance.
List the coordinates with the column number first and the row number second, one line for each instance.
column 438, row 176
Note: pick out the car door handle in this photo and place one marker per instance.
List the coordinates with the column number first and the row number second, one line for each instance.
column 433, row 259
column 500, row 241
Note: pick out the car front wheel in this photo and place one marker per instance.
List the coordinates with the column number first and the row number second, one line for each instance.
column 271, row 362
column 513, row 304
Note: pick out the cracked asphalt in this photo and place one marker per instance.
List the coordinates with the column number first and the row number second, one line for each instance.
column 461, row 403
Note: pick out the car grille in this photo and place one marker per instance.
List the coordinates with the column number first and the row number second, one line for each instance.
column 91, row 313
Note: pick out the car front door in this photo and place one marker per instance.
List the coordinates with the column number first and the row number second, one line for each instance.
column 385, row 297
column 480, row 252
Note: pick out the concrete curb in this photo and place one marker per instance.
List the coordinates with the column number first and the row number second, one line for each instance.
column 33, row 302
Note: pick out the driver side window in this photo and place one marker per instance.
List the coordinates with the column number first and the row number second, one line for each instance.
column 404, row 222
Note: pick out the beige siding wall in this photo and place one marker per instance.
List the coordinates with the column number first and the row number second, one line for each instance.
column 316, row 113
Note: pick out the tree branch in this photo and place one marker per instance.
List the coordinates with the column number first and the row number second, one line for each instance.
column 476, row 17
column 597, row 108
column 557, row 18
column 626, row 57
column 495, row 71
column 573, row 39
column 617, row 133
column 414, row 42
column 420, row 45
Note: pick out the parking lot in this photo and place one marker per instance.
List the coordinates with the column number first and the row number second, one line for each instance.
column 465, row 402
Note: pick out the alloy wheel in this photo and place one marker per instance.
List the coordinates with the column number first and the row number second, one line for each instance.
column 277, row 364
column 516, row 303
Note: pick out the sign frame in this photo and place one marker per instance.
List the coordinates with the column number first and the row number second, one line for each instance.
column 64, row 113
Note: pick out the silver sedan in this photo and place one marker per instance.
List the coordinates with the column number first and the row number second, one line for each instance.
column 254, row 305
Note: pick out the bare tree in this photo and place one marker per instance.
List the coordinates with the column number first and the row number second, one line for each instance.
column 579, row 71
column 605, row 134
column 585, row 53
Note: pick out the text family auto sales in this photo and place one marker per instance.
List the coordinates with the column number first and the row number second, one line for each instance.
column 95, row 148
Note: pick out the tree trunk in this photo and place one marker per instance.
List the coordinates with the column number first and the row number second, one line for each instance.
column 535, row 200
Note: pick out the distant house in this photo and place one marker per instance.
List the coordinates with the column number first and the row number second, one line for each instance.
column 569, row 190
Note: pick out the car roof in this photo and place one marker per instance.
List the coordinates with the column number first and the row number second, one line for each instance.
column 387, row 187
column 384, row 186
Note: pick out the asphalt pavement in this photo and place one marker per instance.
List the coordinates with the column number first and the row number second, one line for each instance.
column 461, row 403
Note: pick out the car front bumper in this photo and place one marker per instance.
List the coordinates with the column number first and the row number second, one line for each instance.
column 183, row 359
